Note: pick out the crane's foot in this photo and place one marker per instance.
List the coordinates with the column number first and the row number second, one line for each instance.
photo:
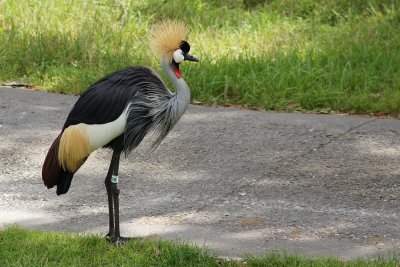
column 119, row 240
column 109, row 235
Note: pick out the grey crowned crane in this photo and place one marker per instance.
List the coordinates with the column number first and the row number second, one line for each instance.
column 118, row 111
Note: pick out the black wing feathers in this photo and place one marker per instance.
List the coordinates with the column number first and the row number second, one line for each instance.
column 106, row 99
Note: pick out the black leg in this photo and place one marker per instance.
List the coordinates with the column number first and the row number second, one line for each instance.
column 113, row 201
column 115, row 193
column 110, row 200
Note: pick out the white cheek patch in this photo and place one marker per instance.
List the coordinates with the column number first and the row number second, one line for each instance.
column 178, row 57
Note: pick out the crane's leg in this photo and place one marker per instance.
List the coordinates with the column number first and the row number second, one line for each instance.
column 113, row 200
column 110, row 198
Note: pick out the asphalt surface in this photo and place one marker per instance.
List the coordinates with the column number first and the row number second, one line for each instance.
column 233, row 180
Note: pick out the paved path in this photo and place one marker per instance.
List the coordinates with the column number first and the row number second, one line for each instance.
column 233, row 180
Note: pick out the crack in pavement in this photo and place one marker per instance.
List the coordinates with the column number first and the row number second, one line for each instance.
column 237, row 189
column 334, row 138
column 243, row 163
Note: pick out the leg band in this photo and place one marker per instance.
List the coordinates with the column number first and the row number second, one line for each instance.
column 114, row 179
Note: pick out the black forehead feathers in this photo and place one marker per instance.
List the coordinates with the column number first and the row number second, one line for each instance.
column 185, row 47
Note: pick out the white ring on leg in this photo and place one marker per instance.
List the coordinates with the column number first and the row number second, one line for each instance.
column 114, row 179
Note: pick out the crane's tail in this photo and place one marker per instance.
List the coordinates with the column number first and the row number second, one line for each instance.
column 52, row 172
column 66, row 155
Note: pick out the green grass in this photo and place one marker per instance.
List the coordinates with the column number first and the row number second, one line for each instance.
column 281, row 55
column 20, row 247
column 33, row 248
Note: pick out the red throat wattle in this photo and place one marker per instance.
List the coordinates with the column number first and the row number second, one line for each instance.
column 177, row 72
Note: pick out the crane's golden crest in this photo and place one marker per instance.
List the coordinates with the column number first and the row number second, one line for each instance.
column 166, row 36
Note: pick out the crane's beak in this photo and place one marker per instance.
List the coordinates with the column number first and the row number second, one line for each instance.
column 190, row 58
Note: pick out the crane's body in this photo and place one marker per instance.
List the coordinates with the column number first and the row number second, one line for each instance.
column 117, row 112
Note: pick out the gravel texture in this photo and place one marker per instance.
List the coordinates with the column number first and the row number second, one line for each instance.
column 233, row 180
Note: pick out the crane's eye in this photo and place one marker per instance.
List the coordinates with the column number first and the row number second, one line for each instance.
column 178, row 56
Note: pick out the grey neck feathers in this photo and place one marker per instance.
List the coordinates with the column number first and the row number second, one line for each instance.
column 156, row 109
column 181, row 98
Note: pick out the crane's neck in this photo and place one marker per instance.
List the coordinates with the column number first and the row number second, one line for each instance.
column 181, row 98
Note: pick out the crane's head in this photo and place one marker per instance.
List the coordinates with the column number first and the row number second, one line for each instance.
column 168, row 41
